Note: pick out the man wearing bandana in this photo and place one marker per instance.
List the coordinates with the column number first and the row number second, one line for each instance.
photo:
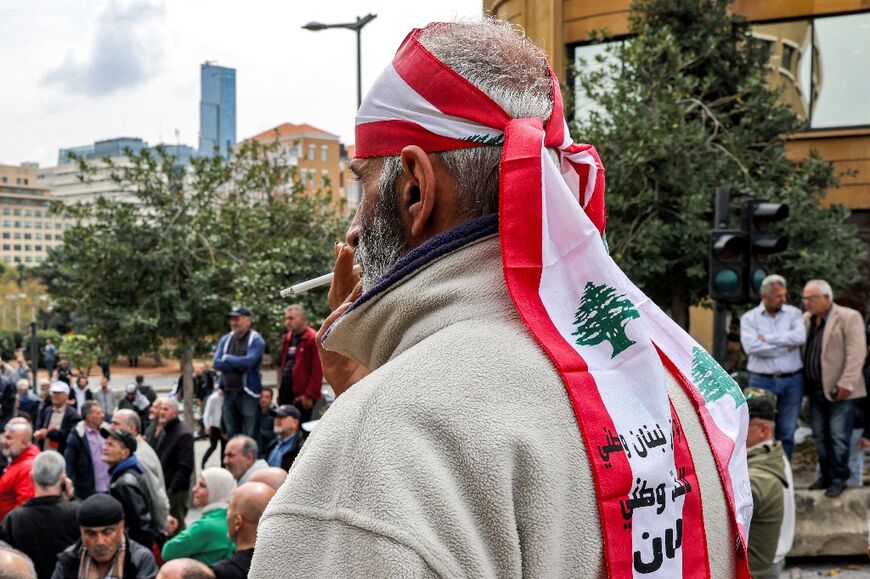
column 476, row 432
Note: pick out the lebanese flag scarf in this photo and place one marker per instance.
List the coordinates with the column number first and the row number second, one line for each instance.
column 612, row 346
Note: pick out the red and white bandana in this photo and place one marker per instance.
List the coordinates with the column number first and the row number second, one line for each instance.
column 612, row 346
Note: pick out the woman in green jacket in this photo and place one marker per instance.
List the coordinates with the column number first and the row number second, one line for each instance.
column 206, row 539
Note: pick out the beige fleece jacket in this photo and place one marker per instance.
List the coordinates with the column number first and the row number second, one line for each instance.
column 459, row 455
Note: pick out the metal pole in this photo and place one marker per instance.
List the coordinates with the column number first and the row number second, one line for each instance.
column 34, row 355
column 358, row 66
column 720, row 315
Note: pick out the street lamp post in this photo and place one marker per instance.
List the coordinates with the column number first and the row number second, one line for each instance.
column 356, row 27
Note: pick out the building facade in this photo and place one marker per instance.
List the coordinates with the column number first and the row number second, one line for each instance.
column 217, row 110
column 315, row 153
column 28, row 228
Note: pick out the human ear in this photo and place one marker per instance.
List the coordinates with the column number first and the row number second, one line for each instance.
column 417, row 189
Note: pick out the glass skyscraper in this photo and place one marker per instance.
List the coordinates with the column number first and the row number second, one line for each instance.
column 217, row 110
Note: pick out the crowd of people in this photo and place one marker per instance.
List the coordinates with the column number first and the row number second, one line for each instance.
column 819, row 353
column 98, row 483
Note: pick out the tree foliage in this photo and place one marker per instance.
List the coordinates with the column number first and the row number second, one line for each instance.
column 193, row 243
column 680, row 108
column 81, row 350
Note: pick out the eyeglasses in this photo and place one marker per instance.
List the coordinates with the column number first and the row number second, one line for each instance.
column 810, row 298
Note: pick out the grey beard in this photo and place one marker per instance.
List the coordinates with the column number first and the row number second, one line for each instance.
column 382, row 242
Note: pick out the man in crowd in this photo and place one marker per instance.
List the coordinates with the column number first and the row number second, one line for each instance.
column 240, row 458
column 238, row 357
column 64, row 371
column 57, row 420
column 130, row 486
column 15, row 564
column 27, row 402
column 128, row 420
column 772, row 529
column 16, row 485
column 106, row 397
column 145, row 389
column 7, row 396
column 435, row 322
column 135, row 401
column 185, row 569
column 154, row 430
column 266, row 430
column 103, row 548
column 175, row 449
column 833, row 361
column 772, row 335
column 49, row 353
column 300, row 376
column 46, row 524
column 283, row 450
column 243, row 515
column 84, row 451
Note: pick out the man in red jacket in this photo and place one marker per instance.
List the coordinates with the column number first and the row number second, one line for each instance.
column 300, row 374
column 16, row 486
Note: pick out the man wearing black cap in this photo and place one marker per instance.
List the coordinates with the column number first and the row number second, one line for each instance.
column 130, row 486
column 238, row 358
column 282, row 451
column 771, row 530
column 104, row 550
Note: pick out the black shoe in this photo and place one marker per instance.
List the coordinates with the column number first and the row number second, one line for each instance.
column 835, row 490
column 820, row 484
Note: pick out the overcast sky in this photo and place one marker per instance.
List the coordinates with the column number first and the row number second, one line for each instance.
column 76, row 71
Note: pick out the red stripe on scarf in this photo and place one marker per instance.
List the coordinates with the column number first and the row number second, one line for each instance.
column 382, row 138
column 520, row 230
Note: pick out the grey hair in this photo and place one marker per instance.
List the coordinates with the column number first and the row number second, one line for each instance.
column 171, row 402
column 770, row 281
column 295, row 308
column 31, row 570
column 48, row 469
column 22, row 384
column 249, row 445
column 88, row 406
column 497, row 58
column 823, row 287
column 130, row 418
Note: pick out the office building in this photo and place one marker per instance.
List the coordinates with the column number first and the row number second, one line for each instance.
column 217, row 110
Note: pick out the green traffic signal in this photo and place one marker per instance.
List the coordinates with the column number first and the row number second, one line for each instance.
column 726, row 281
column 757, row 277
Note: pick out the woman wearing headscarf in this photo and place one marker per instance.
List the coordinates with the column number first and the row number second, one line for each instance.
column 206, row 539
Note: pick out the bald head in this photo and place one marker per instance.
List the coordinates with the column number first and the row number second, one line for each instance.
column 15, row 564
column 272, row 476
column 185, row 569
column 243, row 515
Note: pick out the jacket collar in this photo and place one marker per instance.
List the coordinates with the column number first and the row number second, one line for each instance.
column 453, row 277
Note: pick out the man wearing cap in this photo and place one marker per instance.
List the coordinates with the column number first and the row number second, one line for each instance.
column 16, row 486
column 104, row 548
column 130, row 486
column 56, row 421
column 238, row 357
column 84, row 451
column 282, row 451
column 300, row 375
column 771, row 531
column 479, row 234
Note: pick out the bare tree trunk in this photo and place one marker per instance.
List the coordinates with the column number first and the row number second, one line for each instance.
column 187, row 378
column 680, row 303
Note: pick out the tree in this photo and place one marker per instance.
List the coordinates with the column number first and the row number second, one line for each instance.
column 81, row 351
column 602, row 316
column 680, row 108
column 194, row 243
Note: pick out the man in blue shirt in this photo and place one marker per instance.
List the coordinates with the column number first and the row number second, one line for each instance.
column 772, row 334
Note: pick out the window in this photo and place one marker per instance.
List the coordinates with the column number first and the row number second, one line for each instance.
column 6, row 211
column 38, row 225
column 4, row 179
column 26, row 181
column 27, row 236
column 28, row 259
column 6, row 247
column 57, row 226
column 16, row 235
column 16, row 211
column 17, row 259
column 6, row 235
column 58, row 236
column 17, row 247
column 37, row 247
column 37, row 236
column 28, row 225
column 311, row 149
column 37, row 213
column 324, row 152
column 28, row 247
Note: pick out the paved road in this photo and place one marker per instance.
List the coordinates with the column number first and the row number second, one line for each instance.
column 161, row 383
column 840, row 567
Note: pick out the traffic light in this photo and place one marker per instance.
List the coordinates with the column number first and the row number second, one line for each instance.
column 759, row 215
column 728, row 253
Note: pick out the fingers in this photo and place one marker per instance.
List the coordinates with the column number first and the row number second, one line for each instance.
column 345, row 278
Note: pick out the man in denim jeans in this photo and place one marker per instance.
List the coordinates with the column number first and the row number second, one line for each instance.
column 238, row 358
column 833, row 362
column 772, row 335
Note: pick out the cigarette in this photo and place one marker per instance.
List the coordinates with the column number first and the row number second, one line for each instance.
column 312, row 283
